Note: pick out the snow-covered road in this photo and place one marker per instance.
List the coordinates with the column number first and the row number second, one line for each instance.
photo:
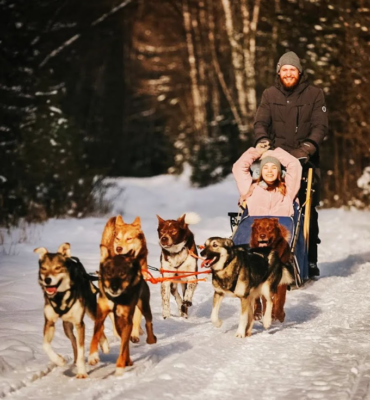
column 321, row 351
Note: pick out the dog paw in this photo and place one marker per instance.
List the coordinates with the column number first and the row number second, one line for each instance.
column 279, row 317
column 184, row 311
column 266, row 322
column 59, row 360
column 81, row 375
column 217, row 323
column 151, row 339
column 134, row 339
column 119, row 371
column 240, row 334
column 93, row 359
column 105, row 346
column 166, row 314
column 257, row 316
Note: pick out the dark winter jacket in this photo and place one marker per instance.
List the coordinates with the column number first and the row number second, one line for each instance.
column 288, row 118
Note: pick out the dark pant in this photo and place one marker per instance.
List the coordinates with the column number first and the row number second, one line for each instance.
column 314, row 217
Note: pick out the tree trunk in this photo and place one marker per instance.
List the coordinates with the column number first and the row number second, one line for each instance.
column 199, row 112
column 249, row 51
column 217, row 68
column 236, row 59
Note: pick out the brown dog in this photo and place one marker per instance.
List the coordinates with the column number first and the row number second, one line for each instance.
column 127, row 239
column 267, row 232
column 177, row 241
column 122, row 289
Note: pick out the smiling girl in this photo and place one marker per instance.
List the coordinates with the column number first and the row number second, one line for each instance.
column 272, row 193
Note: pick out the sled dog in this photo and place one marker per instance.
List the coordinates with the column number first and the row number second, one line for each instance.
column 122, row 238
column 122, row 289
column 243, row 273
column 268, row 232
column 69, row 294
column 176, row 240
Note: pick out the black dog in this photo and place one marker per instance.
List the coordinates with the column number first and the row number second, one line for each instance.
column 122, row 288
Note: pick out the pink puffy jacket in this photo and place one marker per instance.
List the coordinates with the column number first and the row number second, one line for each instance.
column 259, row 200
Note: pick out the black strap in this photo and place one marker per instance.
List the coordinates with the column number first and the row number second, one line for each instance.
column 59, row 297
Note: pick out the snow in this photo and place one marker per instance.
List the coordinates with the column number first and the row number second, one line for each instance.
column 321, row 351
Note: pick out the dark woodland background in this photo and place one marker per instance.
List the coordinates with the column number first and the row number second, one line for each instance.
column 96, row 88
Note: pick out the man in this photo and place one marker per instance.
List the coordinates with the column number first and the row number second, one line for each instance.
column 292, row 115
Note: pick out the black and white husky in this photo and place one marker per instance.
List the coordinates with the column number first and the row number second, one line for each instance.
column 244, row 273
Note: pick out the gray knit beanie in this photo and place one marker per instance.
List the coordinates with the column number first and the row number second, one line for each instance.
column 289, row 58
column 273, row 160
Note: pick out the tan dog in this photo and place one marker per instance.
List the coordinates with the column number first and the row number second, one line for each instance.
column 122, row 290
column 267, row 232
column 69, row 294
column 127, row 239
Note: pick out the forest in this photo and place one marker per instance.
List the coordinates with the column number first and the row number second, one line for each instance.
column 108, row 88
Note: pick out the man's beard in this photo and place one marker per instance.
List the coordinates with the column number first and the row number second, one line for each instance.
column 291, row 84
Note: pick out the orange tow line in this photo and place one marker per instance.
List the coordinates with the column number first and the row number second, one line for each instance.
column 184, row 274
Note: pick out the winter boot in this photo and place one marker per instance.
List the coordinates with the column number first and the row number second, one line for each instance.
column 313, row 270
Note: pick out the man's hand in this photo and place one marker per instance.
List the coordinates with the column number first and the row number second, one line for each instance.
column 304, row 151
column 263, row 145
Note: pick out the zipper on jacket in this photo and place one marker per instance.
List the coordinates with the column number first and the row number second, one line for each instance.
column 297, row 120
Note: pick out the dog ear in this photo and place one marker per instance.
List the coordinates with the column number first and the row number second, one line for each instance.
column 160, row 220
column 41, row 251
column 119, row 221
column 275, row 221
column 137, row 222
column 104, row 253
column 229, row 243
column 181, row 220
column 65, row 250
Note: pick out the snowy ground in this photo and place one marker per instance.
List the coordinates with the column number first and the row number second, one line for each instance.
column 322, row 351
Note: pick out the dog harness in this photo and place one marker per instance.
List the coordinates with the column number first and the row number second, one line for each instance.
column 62, row 302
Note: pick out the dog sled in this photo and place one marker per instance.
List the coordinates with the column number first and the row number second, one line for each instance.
column 298, row 226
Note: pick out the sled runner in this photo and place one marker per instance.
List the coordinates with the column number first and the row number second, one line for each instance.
column 297, row 225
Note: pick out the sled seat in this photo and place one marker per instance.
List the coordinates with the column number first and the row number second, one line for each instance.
column 243, row 227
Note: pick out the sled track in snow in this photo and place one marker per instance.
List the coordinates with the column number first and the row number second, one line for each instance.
column 101, row 382
column 27, row 380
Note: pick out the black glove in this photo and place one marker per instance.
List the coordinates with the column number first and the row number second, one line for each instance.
column 304, row 152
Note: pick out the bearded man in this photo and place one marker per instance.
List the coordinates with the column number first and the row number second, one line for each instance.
column 292, row 115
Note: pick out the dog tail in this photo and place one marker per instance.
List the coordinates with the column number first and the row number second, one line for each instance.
column 192, row 218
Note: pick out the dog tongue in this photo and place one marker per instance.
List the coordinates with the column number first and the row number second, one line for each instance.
column 207, row 262
column 51, row 290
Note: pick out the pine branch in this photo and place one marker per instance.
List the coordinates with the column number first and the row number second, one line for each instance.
column 75, row 37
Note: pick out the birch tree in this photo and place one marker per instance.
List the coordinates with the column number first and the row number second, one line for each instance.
column 199, row 111
column 236, row 59
column 250, row 21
